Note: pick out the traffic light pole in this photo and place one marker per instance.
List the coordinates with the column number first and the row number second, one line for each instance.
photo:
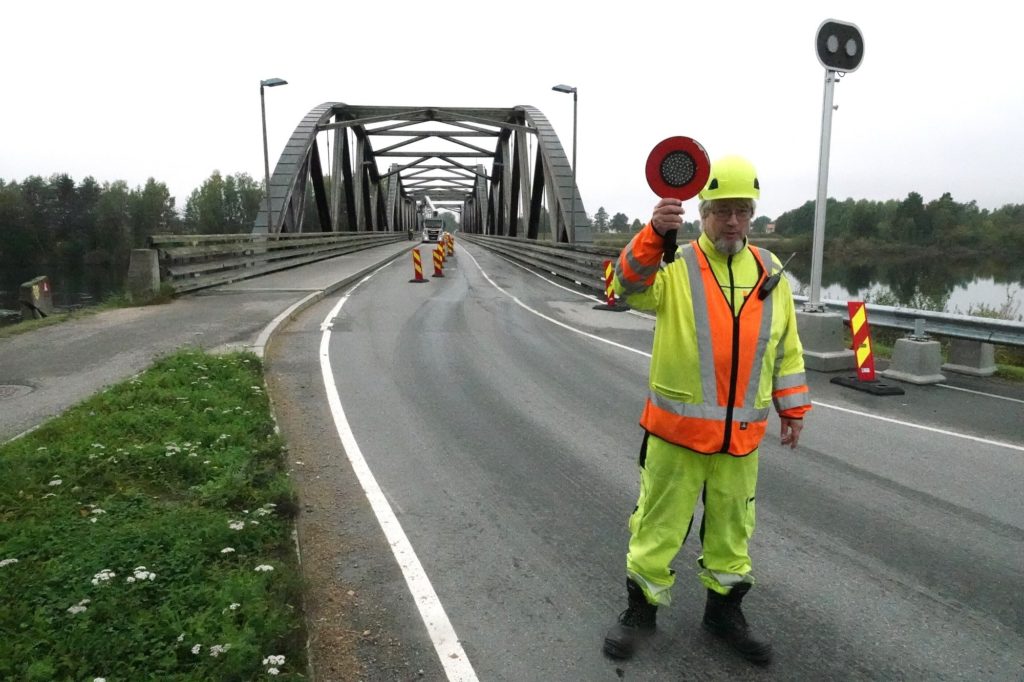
column 813, row 303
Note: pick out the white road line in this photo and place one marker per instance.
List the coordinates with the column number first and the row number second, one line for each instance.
column 553, row 320
column 923, row 428
column 866, row 415
column 442, row 634
column 987, row 395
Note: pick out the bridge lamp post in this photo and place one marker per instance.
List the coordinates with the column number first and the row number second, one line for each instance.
column 568, row 89
column 269, row 83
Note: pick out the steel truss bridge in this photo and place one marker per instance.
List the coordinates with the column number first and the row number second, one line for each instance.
column 504, row 170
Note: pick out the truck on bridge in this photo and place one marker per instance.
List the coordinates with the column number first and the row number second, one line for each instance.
column 431, row 221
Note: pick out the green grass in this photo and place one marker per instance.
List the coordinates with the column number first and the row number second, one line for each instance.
column 160, row 474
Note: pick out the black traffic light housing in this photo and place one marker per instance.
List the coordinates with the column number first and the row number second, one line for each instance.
column 840, row 46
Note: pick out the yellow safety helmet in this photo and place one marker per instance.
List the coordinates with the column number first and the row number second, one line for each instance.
column 732, row 177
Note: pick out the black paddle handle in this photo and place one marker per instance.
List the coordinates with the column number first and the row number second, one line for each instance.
column 669, row 254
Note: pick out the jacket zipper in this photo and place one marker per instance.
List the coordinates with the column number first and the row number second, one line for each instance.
column 735, row 358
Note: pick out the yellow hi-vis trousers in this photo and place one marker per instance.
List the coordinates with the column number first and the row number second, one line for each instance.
column 671, row 479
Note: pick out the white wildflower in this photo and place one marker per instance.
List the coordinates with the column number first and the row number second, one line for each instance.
column 7, row 562
column 99, row 679
column 97, row 510
column 196, row 649
column 181, row 637
column 77, row 608
column 227, row 550
column 274, row 660
column 217, row 649
column 273, row 671
column 141, row 573
column 55, row 481
column 236, row 525
column 264, row 568
column 234, row 606
column 103, row 576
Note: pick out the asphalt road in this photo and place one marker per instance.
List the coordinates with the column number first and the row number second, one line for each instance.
column 889, row 545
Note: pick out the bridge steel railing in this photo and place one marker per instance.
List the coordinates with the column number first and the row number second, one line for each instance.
column 584, row 267
column 190, row 262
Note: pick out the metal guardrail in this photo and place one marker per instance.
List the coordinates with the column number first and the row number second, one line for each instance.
column 190, row 262
column 932, row 323
column 584, row 266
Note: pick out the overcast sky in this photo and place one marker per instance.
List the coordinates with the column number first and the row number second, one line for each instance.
column 131, row 90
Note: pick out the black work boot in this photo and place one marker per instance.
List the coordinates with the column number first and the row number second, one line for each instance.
column 723, row 617
column 635, row 624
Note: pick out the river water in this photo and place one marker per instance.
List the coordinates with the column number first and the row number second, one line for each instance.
column 965, row 298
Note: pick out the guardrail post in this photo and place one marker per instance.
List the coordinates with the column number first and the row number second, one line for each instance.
column 971, row 357
column 825, row 349
column 916, row 359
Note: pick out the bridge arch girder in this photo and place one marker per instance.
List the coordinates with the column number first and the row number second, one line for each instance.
column 385, row 161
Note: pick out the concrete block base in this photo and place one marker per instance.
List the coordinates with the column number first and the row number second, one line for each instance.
column 971, row 357
column 143, row 274
column 825, row 348
column 915, row 361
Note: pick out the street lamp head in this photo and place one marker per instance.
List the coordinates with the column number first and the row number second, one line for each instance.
column 273, row 82
column 565, row 88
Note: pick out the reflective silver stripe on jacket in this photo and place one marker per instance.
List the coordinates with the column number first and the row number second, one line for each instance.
column 702, row 321
column 707, row 411
column 798, row 399
column 643, row 272
column 789, row 381
column 763, row 334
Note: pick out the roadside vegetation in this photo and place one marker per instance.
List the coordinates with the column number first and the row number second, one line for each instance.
column 147, row 534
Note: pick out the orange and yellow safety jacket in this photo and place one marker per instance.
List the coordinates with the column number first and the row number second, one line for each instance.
column 721, row 355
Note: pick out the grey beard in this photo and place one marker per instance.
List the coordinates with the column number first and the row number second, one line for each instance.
column 727, row 247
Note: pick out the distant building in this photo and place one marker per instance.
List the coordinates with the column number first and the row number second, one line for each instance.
column 769, row 228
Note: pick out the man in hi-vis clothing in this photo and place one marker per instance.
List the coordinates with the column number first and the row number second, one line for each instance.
column 725, row 351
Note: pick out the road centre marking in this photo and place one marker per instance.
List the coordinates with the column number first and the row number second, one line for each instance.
column 866, row 415
column 446, row 643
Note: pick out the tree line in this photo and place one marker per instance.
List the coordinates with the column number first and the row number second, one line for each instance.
column 57, row 221
column 862, row 225
column 620, row 223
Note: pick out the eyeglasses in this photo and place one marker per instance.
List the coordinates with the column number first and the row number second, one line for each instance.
column 724, row 213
